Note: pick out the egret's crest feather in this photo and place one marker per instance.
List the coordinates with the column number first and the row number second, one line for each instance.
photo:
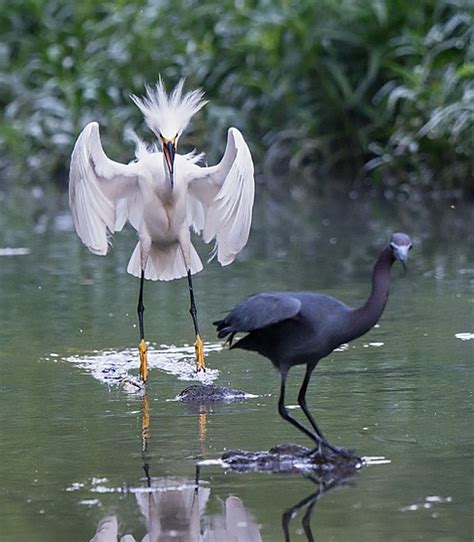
column 169, row 114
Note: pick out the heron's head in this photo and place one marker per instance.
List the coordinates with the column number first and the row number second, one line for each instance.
column 168, row 115
column 400, row 244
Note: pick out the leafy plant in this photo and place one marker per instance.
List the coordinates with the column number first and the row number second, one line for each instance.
column 333, row 89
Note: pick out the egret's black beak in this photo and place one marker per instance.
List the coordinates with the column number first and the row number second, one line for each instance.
column 169, row 150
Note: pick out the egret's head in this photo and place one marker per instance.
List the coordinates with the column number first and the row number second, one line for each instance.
column 400, row 244
column 168, row 115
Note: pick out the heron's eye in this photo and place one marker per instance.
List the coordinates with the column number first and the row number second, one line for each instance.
column 410, row 247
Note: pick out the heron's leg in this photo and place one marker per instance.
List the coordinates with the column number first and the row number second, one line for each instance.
column 304, row 406
column 142, row 345
column 198, row 345
column 284, row 413
column 321, row 440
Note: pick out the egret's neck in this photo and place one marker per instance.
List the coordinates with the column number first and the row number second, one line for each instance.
column 169, row 178
column 368, row 315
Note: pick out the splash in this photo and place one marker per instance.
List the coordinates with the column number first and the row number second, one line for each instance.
column 464, row 336
column 376, row 460
column 16, row 251
column 428, row 503
column 104, row 486
column 117, row 367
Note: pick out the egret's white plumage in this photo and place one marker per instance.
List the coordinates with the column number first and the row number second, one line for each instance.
column 169, row 114
column 215, row 201
column 163, row 195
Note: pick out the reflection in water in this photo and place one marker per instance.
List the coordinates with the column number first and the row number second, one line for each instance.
column 173, row 507
column 324, row 484
column 145, row 437
column 202, row 424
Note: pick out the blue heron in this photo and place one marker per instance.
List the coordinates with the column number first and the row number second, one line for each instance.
column 302, row 328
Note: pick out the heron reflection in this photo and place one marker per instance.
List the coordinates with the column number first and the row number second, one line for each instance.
column 323, row 485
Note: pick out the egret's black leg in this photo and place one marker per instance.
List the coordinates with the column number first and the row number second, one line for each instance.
column 142, row 345
column 198, row 345
column 284, row 413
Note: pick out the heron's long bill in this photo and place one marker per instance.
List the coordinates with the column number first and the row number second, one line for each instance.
column 401, row 253
column 169, row 150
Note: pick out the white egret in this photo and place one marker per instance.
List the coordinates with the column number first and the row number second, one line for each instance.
column 163, row 194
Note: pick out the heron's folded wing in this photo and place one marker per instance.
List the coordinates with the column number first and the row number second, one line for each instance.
column 221, row 198
column 102, row 193
column 259, row 311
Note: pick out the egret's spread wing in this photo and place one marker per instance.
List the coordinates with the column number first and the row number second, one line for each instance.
column 221, row 199
column 103, row 194
column 259, row 311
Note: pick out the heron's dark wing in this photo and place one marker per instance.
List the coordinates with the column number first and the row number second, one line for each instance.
column 220, row 198
column 259, row 311
column 102, row 193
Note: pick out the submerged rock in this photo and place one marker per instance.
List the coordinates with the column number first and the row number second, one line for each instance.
column 211, row 393
column 289, row 458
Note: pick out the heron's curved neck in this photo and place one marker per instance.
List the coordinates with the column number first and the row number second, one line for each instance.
column 365, row 317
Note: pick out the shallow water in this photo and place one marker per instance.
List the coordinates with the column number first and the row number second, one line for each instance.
column 72, row 444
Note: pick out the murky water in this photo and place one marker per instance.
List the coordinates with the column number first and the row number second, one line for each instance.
column 71, row 445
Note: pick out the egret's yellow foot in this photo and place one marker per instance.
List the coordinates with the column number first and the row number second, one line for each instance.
column 199, row 347
column 143, row 360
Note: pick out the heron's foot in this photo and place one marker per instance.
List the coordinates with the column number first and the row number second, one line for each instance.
column 324, row 449
column 143, row 360
column 343, row 452
column 199, row 348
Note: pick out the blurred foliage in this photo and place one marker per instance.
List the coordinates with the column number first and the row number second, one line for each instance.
column 336, row 89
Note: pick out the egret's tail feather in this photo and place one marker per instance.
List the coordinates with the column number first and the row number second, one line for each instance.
column 164, row 264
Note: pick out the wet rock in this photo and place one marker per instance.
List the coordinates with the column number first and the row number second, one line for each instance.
column 292, row 458
column 211, row 393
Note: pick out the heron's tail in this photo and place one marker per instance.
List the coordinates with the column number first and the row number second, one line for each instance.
column 164, row 263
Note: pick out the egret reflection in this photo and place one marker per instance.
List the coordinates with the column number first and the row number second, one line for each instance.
column 174, row 509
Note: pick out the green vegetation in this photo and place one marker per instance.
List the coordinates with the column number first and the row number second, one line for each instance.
column 336, row 89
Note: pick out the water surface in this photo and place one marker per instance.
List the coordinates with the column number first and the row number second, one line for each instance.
column 72, row 446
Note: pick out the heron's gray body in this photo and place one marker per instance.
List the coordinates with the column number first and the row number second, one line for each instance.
column 290, row 328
